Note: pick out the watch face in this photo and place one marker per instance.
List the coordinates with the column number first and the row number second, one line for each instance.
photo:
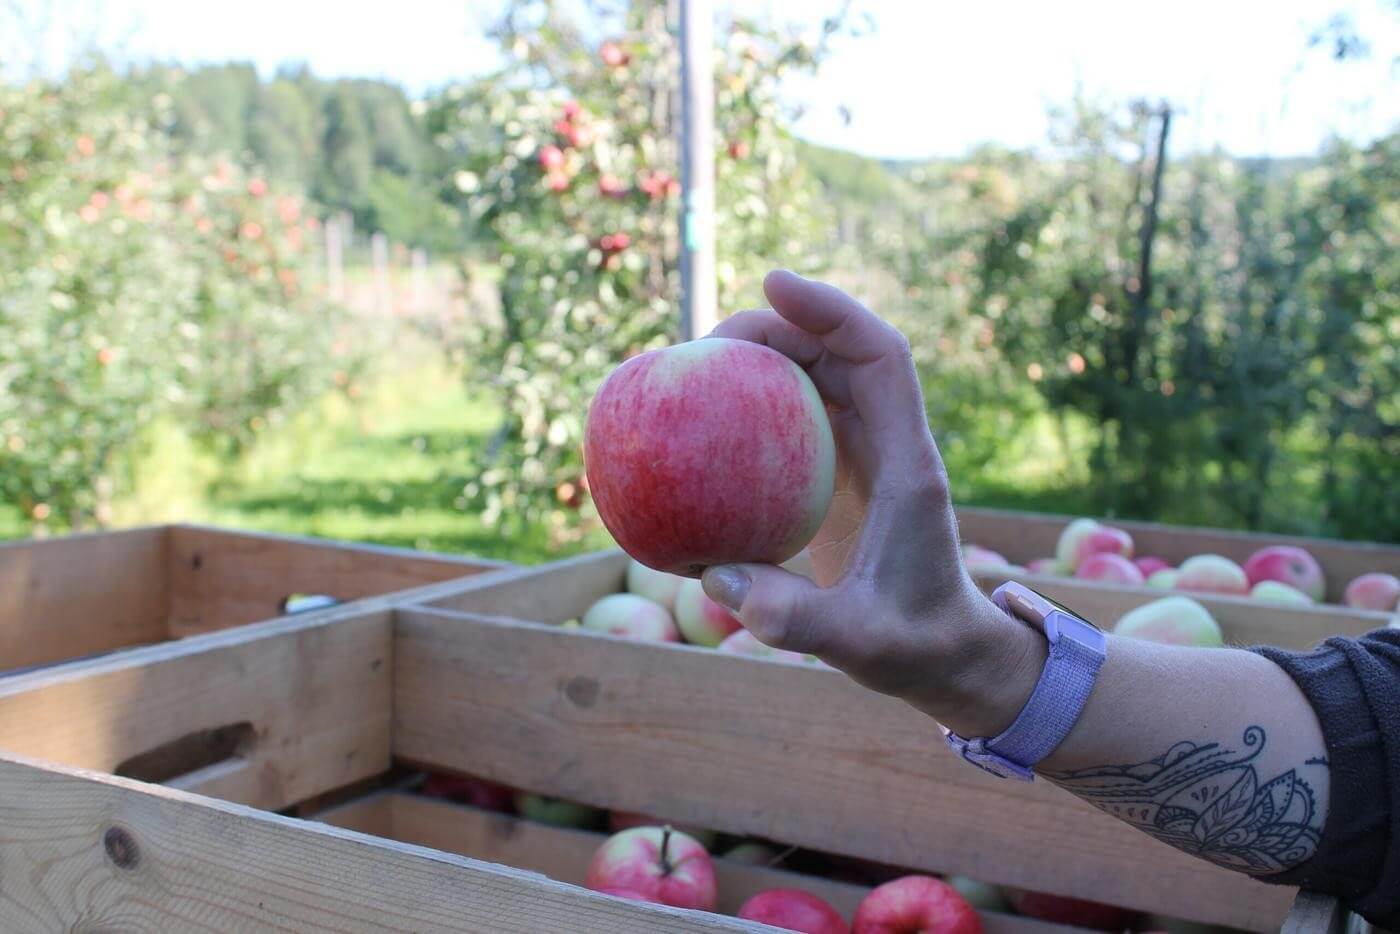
column 1060, row 606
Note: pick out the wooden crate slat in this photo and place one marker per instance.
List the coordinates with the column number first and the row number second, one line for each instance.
column 548, row 594
column 1244, row 621
column 1021, row 536
column 756, row 747
column 85, row 851
column 67, row 597
column 221, row 577
column 315, row 691
column 563, row 853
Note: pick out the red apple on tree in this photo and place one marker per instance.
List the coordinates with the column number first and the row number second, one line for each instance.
column 663, row 422
column 612, row 54
column 738, row 149
column 659, row 864
column 551, row 157
column 915, row 905
column 794, row 910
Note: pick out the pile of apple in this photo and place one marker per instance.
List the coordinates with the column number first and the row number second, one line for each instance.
column 1089, row 550
column 661, row 607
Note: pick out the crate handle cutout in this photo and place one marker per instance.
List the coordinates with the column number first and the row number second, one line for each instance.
column 194, row 752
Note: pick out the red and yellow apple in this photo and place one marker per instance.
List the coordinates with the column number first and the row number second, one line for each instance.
column 794, row 910
column 975, row 556
column 1274, row 591
column 1048, row 566
column 658, row 864
column 619, row 821
column 1085, row 537
column 915, row 905
column 711, row 452
column 657, row 586
column 1287, row 565
column 632, row 617
column 1374, row 591
column 1171, row 621
column 1212, row 574
column 1150, row 564
column 1109, row 568
column 744, row 643
column 702, row 621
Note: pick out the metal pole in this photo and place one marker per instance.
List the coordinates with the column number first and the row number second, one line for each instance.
column 698, row 289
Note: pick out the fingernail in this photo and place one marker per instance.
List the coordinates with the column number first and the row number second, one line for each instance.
column 727, row 586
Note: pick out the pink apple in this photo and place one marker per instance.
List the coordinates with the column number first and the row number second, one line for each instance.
column 1275, row 592
column 794, row 910
column 1104, row 540
column 1287, row 565
column 1078, row 912
column 466, row 789
column 915, row 905
column 975, row 556
column 1048, row 566
column 1151, row 564
column 702, row 621
column 710, row 452
column 632, row 617
column 1164, row 579
column 744, row 643
column 1171, row 621
column 1212, row 574
column 659, row 864
column 1109, row 568
column 654, row 585
column 619, row 821
column 1374, row 591
column 1067, row 548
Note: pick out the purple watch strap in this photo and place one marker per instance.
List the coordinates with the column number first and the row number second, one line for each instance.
column 1054, row 706
column 1076, row 652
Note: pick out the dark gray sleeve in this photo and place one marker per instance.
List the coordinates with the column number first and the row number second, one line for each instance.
column 1354, row 685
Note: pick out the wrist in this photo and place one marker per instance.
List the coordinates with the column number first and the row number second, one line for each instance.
column 989, row 675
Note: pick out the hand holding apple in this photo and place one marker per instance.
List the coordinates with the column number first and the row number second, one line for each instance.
column 898, row 612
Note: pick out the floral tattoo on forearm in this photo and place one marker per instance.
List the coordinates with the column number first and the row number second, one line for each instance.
column 1210, row 802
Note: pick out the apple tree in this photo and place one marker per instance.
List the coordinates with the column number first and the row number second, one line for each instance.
column 564, row 169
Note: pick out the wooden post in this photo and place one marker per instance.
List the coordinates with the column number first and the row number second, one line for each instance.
column 698, row 288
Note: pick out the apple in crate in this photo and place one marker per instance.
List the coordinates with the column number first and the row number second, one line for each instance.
column 619, row 821
column 753, row 853
column 657, row 586
column 1275, row 592
column 702, row 621
column 1287, row 565
column 558, row 812
column 1374, row 591
column 466, row 789
column 794, row 910
column 980, row 895
column 710, row 452
column 1151, row 564
column 1077, row 912
column 632, row 617
column 1171, row 621
column 744, row 643
column 1048, row 566
column 657, row 863
column 915, row 905
column 1085, row 537
column 1212, row 574
column 1109, row 568
column 975, row 556
column 1165, row 579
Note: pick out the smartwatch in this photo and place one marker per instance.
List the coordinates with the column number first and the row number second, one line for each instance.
column 1077, row 650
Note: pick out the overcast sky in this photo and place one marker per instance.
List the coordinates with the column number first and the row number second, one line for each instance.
column 934, row 78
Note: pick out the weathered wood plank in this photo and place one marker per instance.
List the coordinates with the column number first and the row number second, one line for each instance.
column 551, row 593
column 81, row 851
column 67, row 597
column 786, row 752
column 1243, row 620
column 315, row 692
column 563, row 853
column 221, row 577
column 1022, row 536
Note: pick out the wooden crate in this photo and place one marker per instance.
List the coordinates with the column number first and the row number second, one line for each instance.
column 1024, row 536
column 470, row 676
column 66, row 598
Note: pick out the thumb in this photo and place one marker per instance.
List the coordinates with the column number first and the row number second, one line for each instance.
column 779, row 607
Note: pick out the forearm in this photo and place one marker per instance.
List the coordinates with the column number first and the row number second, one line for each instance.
column 1214, row 751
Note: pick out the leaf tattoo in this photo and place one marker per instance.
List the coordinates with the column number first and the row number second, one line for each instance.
column 1208, row 801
